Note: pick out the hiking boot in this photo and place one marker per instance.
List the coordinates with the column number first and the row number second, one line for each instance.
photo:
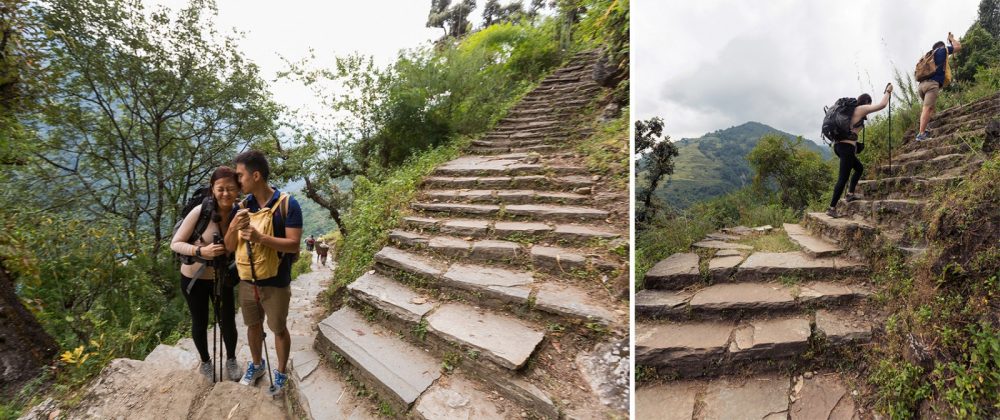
column 926, row 135
column 253, row 373
column 851, row 197
column 233, row 370
column 832, row 212
column 280, row 381
column 207, row 369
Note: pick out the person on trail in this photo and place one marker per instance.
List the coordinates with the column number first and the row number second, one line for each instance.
column 322, row 249
column 265, row 250
column 939, row 79
column 310, row 243
column 198, row 288
column 847, row 150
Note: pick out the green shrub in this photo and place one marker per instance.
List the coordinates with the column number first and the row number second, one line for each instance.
column 302, row 265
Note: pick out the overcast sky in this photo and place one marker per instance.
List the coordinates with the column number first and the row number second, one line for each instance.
column 332, row 28
column 711, row 64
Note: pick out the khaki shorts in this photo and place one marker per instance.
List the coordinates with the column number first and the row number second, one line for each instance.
column 273, row 305
column 929, row 92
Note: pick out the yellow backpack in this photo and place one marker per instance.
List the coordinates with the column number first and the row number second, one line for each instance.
column 265, row 259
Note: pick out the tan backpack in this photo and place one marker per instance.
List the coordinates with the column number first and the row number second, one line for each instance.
column 266, row 260
column 926, row 67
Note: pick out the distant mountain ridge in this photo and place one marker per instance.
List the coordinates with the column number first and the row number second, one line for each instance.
column 715, row 164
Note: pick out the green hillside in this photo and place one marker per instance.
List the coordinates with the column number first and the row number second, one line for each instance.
column 714, row 164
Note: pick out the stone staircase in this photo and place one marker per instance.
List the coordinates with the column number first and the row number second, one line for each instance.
column 735, row 332
column 167, row 385
column 492, row 299
column 894, row 204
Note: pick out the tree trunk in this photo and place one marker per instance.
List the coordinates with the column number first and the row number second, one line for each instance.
column 24, row 345
column 314, row 195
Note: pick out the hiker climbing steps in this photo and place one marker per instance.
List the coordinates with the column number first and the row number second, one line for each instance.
column 493, row 288
column 726, row 308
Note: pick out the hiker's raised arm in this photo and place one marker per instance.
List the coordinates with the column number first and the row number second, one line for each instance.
column 955, row 45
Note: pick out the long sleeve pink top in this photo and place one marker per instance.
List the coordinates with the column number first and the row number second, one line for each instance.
column 179, row 245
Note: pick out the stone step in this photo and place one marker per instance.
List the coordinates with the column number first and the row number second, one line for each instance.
column 771, row 265
column 508, row 143
column 942, row 140
column 768, row 396
column 848, row 233
column 499, row 150
column 968, row 121
column 494, row 196
column 698, row 348
column 497, row 287
column 529, row 211
column 555, row 260
column 315, row 382
column 984, row 102
column 743, row 299
column 896, row 213
column 535, row 232
column 954, row 164
column 510, row 182
column 930, row 153
column 813, row 246
column 673, row 273
column 398, row 371
column 504, row 165
column 905, row 186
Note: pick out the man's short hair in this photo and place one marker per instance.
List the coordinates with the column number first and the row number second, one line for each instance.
column 937, row 45
column 254, row 161
column 864, row 99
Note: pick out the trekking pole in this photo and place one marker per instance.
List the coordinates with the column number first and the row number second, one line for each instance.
column 263, row 340
column 890, row 132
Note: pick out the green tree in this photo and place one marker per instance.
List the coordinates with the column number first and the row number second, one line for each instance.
column 454, row 20
column 979, row 49
column 989, row 17
column 494, row 12
column 798, row 176
column 659, row 152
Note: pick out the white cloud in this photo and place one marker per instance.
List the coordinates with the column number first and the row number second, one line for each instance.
column 713, row 64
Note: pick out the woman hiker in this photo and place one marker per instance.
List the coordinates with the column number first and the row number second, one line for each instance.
column 847, row 150
column 198, row 292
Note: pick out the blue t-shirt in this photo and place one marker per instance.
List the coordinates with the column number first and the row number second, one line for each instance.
column 293, row 220
column 940, row 56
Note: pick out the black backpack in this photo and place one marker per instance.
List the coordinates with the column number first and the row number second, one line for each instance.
column 202, row 196
column 837, row 122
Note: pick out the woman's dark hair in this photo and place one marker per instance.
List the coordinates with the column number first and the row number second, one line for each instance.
column 254, row 161
column 864, row 99
column 937, row 45
column 224, row 172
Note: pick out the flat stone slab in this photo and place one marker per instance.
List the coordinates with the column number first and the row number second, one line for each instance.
column 482, row 209
column 571, row 302
column 504, row 340
column 760, row 264
column 742, row 296
column 406, row 238
column 465, row 227
column 523, row 228
column 390, row 296
column 578, row 232
column 606, row 370
column 721, row 245
column 421, row 222
column 681, row 346
column 457, row 398
column 841, row 329
column 661, row 302
column 405, row 261
column 230, row 400
column 557, row 259
column 719, row 236
column 174, row 357
column 721, row 268
column 728, row 253
column 493, row 165
column 812, row 245
column 549, row 210
column 669, row 401
column 674, row 272
column 399, row 368
column 495, row 250
column 770, row 339
column 822, row 397
column 449, row 246
column 510, row 286
column 322, row 394
column 757, row 398
column 828, row 292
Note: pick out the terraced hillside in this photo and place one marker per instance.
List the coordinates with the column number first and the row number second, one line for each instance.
column 495, row 289
column 730, row 331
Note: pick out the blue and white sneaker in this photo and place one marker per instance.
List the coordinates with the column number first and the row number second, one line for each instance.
column 253, row 373
column 926, row 135
column 280, row 381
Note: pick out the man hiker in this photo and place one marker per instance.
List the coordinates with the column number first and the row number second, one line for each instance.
column 322, row 249
column 269, row 231
column 310, row 242
column 847, row 149
column 930, row 86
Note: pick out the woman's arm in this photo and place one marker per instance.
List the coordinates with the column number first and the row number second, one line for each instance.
column 179, row 242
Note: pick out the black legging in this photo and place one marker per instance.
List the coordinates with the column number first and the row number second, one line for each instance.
column 848, row 161
column 198, row 301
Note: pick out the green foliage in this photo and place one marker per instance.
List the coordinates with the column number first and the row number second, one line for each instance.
column 303, row 265
column 979, row 50
column 900, row 388
column 377, row 208
column 798, row 174
column 972, row 381
column 659, row 154
column 606, row 151
column 989, row 16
